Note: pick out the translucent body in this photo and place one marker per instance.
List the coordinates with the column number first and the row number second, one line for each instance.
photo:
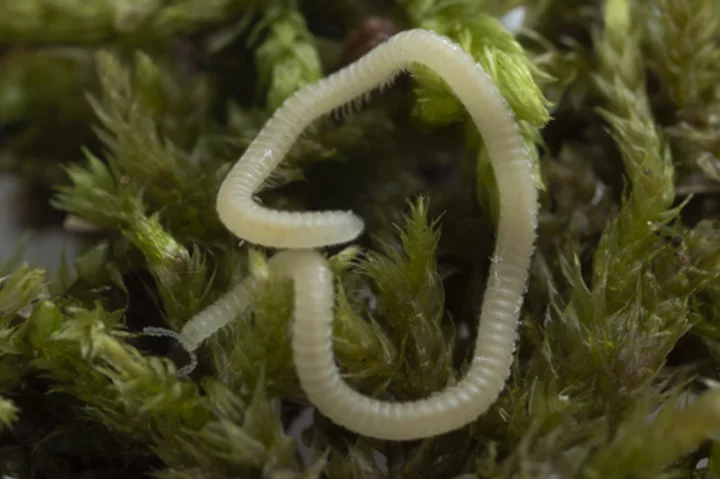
column 211, row 319
column 455, row 406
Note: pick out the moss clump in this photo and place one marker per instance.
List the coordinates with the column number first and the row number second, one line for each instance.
column 132, row 122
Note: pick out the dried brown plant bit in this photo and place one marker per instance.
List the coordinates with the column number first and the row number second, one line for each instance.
column 371, row 33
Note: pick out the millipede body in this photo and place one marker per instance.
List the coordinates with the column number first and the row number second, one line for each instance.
column 300, row 233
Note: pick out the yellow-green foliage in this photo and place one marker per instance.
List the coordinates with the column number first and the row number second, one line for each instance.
column 619, row 345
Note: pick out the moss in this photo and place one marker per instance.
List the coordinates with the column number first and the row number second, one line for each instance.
column 135, row 119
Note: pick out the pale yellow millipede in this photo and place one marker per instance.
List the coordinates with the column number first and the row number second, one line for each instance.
column 301, row 232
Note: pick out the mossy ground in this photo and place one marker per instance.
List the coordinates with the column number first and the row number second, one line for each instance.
column 130, row 113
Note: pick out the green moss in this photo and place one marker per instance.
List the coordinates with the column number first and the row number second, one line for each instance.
column 620, row 337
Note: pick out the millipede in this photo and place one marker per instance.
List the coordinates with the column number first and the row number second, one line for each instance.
column 300, row 234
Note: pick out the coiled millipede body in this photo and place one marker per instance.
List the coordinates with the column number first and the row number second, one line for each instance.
column 312, row 330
